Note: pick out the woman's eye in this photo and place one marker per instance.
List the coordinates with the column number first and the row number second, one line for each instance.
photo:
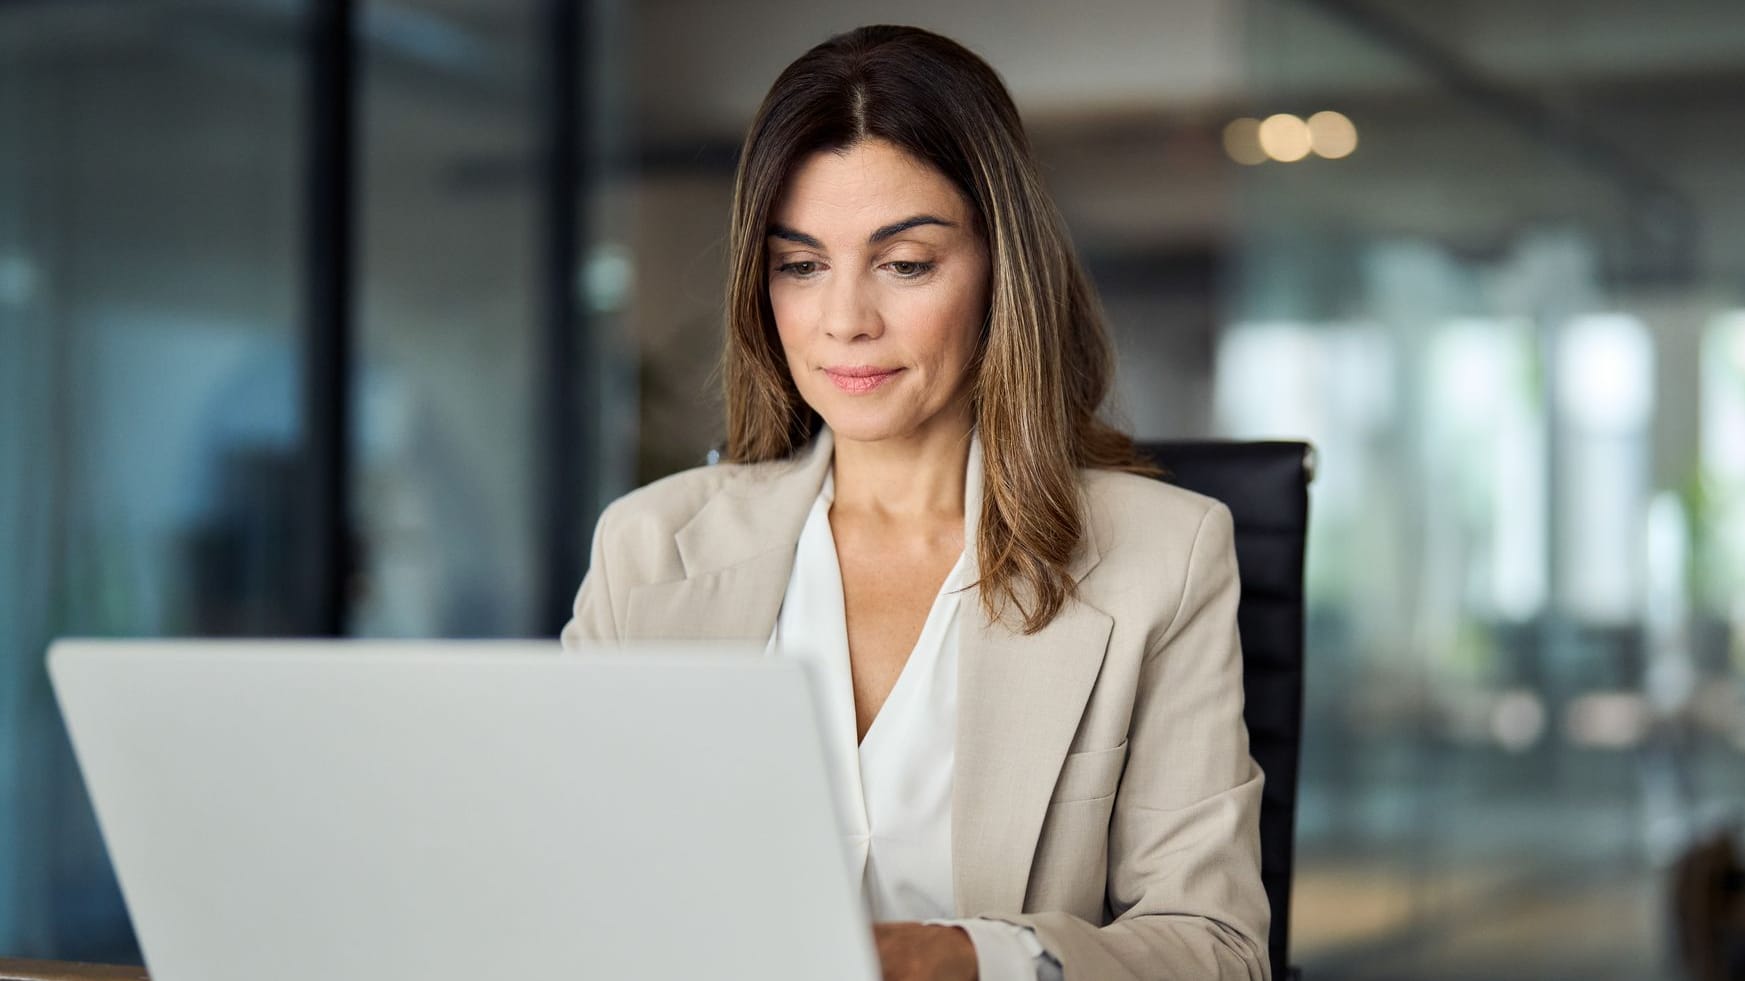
column 909, row 269
column 803, row 268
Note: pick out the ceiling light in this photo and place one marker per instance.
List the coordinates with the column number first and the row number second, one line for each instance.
column 1332, row 134
column 1284, row 137
column 1242, row 141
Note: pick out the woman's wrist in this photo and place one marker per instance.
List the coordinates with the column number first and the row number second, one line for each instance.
column 964, row 964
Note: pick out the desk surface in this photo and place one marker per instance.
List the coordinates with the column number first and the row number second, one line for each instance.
column 14, row 970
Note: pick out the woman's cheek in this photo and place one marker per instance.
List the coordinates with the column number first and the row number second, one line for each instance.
column 790, row 316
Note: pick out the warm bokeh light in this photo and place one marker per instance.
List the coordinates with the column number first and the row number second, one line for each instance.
column 1242, row 141
column 1284, row 137
column 1332, row 134
column 1287, row 138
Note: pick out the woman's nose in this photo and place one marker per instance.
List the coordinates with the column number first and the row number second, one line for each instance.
column 850, row 312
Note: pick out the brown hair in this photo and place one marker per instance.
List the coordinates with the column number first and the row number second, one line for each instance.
column 1044, row 361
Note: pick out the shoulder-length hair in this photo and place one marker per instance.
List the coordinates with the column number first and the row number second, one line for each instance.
column 1044, row 362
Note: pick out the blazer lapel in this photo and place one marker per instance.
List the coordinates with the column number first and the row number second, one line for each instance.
column 1020, row 700
column 738, row 552
column 739, row 603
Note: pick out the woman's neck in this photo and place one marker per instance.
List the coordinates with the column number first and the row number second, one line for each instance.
column 920, row 476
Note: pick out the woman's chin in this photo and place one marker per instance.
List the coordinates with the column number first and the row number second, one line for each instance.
column 863, row 421
column 864, row 427
column 868, row 425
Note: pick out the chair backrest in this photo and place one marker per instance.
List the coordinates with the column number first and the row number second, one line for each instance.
column 1265, row 485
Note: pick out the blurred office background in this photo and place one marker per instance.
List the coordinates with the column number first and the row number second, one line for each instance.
column 299, row 343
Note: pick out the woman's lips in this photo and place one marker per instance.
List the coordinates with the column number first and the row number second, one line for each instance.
column 860, row 379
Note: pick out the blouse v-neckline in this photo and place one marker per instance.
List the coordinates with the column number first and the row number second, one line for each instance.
column 941, row 615
column 893, row 789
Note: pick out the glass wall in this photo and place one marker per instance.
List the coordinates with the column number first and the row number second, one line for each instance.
column 149, row 374
column 455, row 309
column 448, row 312
column 156, row 218
column 1505, row 320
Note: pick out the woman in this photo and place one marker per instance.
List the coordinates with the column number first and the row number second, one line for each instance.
column 1036, row 690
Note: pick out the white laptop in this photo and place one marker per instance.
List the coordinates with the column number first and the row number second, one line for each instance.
column 368, row 811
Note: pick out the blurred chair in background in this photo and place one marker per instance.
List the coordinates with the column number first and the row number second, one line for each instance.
column 1266, row 487
column 1708, row 909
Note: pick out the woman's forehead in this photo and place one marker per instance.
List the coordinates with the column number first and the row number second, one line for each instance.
column 863, row 189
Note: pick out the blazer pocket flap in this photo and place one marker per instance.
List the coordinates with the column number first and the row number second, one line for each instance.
column 1089, row 775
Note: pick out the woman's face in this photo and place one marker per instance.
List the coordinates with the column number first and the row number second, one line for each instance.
column 879, row 284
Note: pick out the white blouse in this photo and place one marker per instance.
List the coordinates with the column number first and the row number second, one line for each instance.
column 893, row 789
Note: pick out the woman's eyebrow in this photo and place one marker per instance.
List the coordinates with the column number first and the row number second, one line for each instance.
column 788, row 234
column 904, row 225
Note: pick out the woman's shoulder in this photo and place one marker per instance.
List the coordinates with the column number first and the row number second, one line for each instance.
column 675, row 499
column 1143, row 526
column 1129, row 504
column 648, row 517
column 1154, row 542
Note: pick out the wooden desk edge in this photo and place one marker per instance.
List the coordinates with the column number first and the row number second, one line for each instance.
column 16, row 970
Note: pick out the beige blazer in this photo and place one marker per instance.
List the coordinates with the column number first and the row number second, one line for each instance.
column 1104, row 794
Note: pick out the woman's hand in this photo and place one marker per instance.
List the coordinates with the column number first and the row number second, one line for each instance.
column 914, row 952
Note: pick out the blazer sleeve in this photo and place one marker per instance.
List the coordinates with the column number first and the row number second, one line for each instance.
column 593, row 616
column 1184, row 840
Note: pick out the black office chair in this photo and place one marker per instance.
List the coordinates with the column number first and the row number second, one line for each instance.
column 1266, row 487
